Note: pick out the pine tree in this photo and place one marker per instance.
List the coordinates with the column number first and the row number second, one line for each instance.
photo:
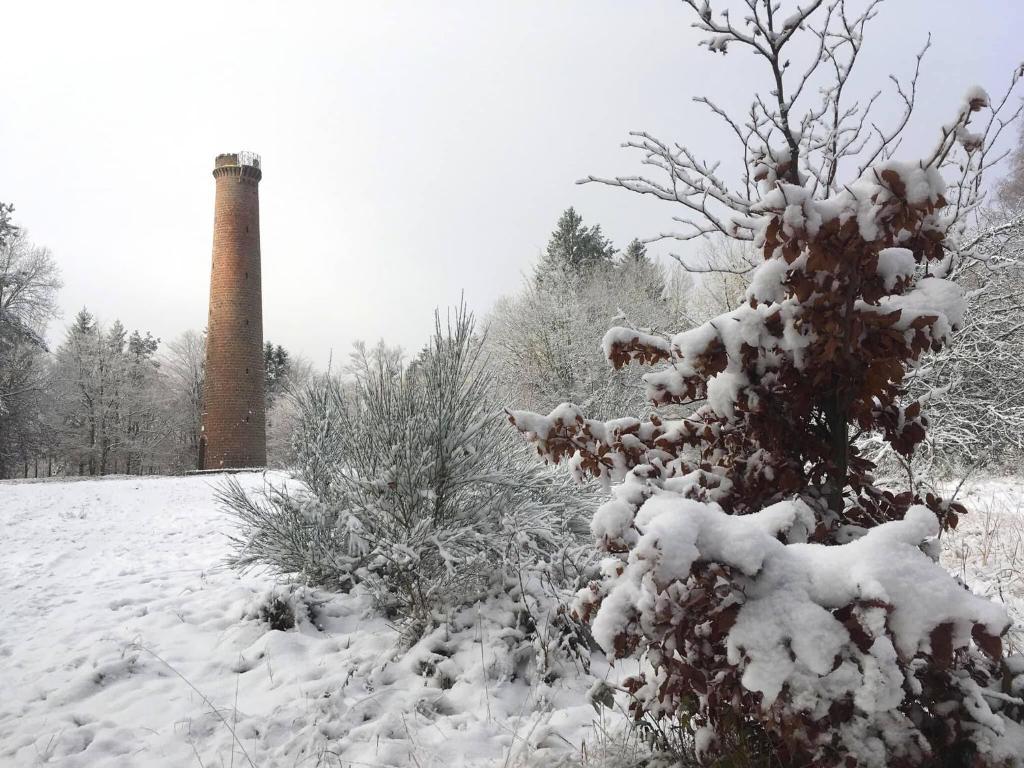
column 420, row 493
column 277, row 365
column 637, row 266
column 574, row 249
column 636, row 253
column 7, row 228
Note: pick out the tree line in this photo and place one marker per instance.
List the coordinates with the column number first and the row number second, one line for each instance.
column 104, row 400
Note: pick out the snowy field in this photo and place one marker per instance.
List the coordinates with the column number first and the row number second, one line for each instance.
column 125, row 643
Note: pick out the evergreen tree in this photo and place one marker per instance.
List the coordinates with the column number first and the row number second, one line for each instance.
column 108, row 402
column 642, row 270
column 277, row 365
column 636, row 253
column 421, row 494
column 7, row 228
column 84, row 322
column 574, row 249
column 142, row 347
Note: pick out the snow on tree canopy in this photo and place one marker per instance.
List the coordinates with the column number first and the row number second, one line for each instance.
column 769, row 585
column 785, row 632
column 895, row 264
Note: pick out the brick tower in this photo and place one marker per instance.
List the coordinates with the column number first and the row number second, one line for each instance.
column 234, row 428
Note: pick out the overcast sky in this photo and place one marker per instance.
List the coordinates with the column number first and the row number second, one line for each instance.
column 411, row 150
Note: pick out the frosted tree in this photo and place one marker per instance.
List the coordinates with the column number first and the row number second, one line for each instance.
column 545, row 340
column 144, row 426
column 971, row 387
column 638, row 269
column 721, row 272
column 29, row 282
column 789, row 608
column 276, row 365
column 1010, row 191
column 75, row 364
column 574, row 249
column 283, row 412
column 106, row 398
column 419, row 491
column 183, row 368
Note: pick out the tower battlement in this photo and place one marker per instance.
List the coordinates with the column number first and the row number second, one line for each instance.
column 237, row 158
column 245, row 165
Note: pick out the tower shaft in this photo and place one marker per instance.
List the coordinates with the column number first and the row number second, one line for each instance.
column 234, row 426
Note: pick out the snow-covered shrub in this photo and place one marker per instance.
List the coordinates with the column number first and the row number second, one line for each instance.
column 416, row 487
column 282, row 528
column 778, row 596
column 278, row 614
column 972, row 386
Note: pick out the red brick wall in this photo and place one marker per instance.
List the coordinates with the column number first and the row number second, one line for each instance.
column 234, row 424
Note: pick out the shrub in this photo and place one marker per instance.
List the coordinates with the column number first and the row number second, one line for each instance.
column 784, row 602
column 414, row 485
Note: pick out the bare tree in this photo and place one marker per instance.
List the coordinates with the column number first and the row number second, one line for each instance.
column 806, row 131
column 1010, row 191
column 283, row 413
column 972, row 387
column 721, row 270
column 29, row 281
column 183, row 366
column 805, row 138
column 545, row 340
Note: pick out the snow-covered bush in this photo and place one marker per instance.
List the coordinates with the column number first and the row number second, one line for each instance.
column 972, row 386
column 777, row 595
column 417, row 488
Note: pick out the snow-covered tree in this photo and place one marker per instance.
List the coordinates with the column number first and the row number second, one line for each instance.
column 783, row 601
column 29, row 281
column 637, row 268
column 574, row 249
column 420, row 492
column 283, row 415
column 1010, row 191
column 143, row 425
column 276, row 365
column 183, row 367
column 971, row 387
column 545, row 340
column 106, row 399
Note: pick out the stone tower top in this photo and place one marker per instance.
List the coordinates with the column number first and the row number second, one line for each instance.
column 245, row 165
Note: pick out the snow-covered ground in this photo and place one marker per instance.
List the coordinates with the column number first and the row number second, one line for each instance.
column 124, row 642
column 987, row 547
